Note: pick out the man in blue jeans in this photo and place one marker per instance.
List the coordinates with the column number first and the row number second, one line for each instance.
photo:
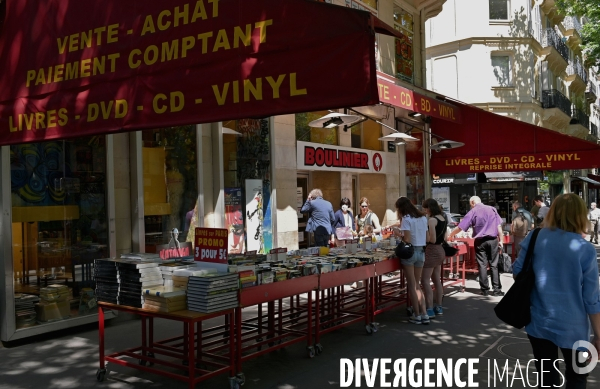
column 487, row 231
column 321, row 217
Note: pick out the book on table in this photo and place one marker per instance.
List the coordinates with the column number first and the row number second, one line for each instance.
column 165, row 291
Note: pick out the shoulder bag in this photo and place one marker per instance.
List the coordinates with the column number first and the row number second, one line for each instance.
column 515, row 307
column 449, row 251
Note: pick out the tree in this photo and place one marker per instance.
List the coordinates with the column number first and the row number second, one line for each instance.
column 590, row 33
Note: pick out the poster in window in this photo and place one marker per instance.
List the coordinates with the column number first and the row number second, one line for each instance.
column 234, row 221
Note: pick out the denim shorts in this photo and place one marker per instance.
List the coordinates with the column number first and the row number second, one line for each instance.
column 418, row 258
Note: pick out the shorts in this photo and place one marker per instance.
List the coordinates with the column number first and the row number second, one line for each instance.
column 417, row 260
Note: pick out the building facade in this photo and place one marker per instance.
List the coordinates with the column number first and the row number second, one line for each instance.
column 516, row 58
column 75, row 200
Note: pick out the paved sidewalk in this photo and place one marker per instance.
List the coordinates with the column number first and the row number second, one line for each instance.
column 468, row 329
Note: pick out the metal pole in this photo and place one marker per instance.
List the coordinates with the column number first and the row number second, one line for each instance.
column 426, row 160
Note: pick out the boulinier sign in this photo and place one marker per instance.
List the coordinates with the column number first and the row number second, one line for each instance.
column 317, row 156
column 75, row 68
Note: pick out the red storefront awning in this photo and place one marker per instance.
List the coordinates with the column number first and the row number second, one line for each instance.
column 495, row 143
column 79, row 68
column 399, row 96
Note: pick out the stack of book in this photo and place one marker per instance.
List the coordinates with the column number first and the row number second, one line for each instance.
column 181, row 276
column 107, row 283
column 167, row 270
column 25, row 309
column 165, row 299
column 247, row 276
column 143, row 257
column 134, row 277
column 213, row 292
column 54, row 303
column 280, row 274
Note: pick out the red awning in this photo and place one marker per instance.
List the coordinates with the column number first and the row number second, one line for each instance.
column 81, row 68
column 416, row 101
column 495, row 143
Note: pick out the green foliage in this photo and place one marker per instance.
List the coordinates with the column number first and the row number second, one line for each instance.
column 590, row 33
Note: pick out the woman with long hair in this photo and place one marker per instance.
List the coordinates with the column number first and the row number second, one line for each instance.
column 413, row 225
column 565, row 298
column 434, row 258
column 366, row 217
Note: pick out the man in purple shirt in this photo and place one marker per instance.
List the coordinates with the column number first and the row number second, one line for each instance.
column 487, row 231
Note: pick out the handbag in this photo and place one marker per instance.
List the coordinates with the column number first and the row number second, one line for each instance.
column 404, row 250
column 449, row 251
column 515, row 307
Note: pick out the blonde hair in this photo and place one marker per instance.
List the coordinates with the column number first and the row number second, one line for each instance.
column 364, row 200
column 569, row 213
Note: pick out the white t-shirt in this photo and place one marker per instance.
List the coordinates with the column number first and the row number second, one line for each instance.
column 347, row 220
column 417, row 228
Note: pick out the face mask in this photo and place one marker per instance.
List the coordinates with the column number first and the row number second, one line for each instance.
column 345, row 208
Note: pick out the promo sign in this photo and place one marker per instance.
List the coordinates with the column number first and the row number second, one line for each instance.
column 317, row 156
column 211, row 245
column 80, row 68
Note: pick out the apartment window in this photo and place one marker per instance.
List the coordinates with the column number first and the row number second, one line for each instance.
column 403, row 22
column 499, row 9
column 501, row 70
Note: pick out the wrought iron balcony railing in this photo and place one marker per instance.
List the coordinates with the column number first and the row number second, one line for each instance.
column 575, row 67
column 551, row 38
column 552, row 98
column 580, row 117
column 593, row 130
column 571, row 22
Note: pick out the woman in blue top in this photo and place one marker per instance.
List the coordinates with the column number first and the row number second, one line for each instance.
column 566, row 292
column 413, row 226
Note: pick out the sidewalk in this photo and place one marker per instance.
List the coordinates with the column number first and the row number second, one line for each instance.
column 468, row 329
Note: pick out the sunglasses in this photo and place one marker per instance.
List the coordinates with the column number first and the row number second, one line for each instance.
column 364, row 206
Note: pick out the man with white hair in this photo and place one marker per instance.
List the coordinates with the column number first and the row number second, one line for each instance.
column 487, row 231
column 593, row 217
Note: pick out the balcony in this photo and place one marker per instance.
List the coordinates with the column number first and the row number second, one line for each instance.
column 572, row 27
column 557, row 109
column 572, row 23
column 551, row 38
column 580, row 117
column 576, row 76
column 552, row 98
column 590, row 92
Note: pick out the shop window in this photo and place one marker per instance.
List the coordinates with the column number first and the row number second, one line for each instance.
column 403, row 22
column 499, row 9
column 170, row 184
column 59, row 226
column 311, row 134
column 371, row 135
column 501, row 68
column 356, row 136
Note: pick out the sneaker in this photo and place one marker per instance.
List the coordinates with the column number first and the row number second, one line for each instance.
column 439, row 311
column 410, row 311
column 430, row 313
column 415, row 319
column 424, row 319
column 498, row 293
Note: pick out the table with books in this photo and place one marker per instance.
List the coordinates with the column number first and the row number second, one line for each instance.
column 132, row 286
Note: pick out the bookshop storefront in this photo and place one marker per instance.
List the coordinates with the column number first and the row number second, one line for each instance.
column 100, row 154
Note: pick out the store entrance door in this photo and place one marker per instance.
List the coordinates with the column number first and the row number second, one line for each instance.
column 301, row 194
